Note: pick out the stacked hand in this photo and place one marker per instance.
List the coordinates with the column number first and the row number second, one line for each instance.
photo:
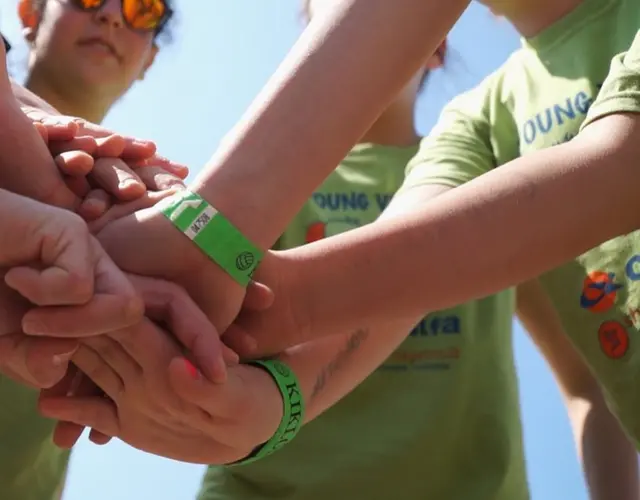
column 65, row 300
column 72, row 164
column 159, row 402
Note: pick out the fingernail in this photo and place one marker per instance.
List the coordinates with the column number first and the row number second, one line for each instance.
column 193, row 371
column 128, row 183
column 33, row 327
column 63, row 358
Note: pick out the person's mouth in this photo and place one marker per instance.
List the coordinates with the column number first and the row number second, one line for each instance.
column 101, row 42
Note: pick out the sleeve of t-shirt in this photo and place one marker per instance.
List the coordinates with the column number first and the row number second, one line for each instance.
column 620, row 92
column 458, row 149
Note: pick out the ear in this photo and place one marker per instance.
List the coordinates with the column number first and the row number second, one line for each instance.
column 149, row 62
column 30, row 19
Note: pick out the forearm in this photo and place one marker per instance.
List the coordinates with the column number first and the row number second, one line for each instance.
column 609, row 459
column 507, row 226
column 328, row 369
column 305, row 120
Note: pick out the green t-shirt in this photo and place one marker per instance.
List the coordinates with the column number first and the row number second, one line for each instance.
column 538, row 98
column 438, row 420
column 33, row 468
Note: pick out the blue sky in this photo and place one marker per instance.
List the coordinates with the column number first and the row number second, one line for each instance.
column 222, row 54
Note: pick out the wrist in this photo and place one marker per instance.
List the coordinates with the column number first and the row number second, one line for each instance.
column 281, row 414
column 242, row 208
column 215, row 236
column 293, row 284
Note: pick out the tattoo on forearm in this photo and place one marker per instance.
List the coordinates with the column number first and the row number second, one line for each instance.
column 353, row 343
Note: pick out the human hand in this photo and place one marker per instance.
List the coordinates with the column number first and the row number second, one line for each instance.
column 55, row 264
column 132, row 167
column 272, row 317
column 191, row 335
column 174, row 258
column 160, row 403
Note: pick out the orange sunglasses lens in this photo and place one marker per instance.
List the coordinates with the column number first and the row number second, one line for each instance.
column 143, row 14
column 91, row 4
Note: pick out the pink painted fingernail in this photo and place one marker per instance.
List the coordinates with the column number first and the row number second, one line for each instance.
column 193, row 371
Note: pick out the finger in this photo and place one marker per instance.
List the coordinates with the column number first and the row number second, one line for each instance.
column 171, row 304
column 103, row 314
column 178, row 169
column 114, row 306
column 82, row 143
column 158, row 179
column 75, row 383
column 240, row 341
column 42, row 130
column 187, row 381
column 259, row 297
column 67, row 434
column 69, row 275
column 99, row 371
column 111, row 352
column 62, row 129
column 137, row 149
column 110, row 146
column 98, row 438
column 115, row 177
column 74, row 163
column 94, row 205
column 131, row 148
column 37, row 362
column 148, row 199
column 78, row 185
column 95, row 412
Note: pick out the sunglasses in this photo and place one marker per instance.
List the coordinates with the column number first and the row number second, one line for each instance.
column 139, row 15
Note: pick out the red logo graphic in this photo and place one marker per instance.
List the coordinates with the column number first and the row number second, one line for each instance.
column 599, row 292
column 614, row 339
column 315, row 232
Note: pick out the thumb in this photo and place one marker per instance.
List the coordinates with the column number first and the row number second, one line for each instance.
column 67, row 254
column 259, row 297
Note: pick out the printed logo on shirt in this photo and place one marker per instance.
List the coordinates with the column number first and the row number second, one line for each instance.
column 600, row 292
column 600, row 289
column 559, row 122
column 319, row 229
column 351, row 201
column 433, row 326
column 614, row 339
column 447, row 328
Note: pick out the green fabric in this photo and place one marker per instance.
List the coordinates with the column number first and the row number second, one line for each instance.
column 621, row 90
column 438, row 420
column 540, row 97
column 32, row 467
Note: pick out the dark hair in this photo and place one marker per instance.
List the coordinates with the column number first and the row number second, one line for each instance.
column 164, row 32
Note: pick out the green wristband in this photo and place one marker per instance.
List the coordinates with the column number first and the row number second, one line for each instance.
column 213, row 234
column 293, row 405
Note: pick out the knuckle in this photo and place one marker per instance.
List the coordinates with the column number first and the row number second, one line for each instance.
column 133, row 309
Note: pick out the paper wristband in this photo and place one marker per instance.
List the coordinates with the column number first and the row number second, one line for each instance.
column 293, row 414
column 213, row 234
